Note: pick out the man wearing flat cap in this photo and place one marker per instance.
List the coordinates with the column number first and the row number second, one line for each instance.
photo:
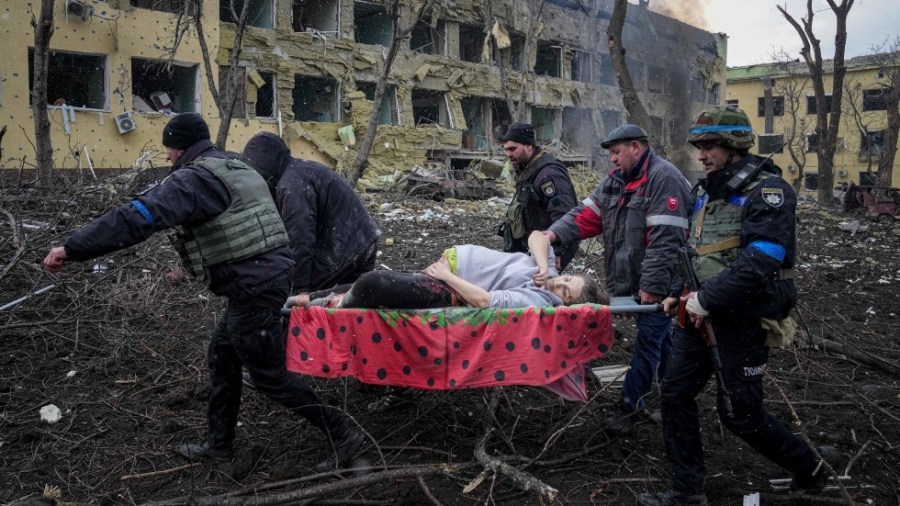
column 229, row 234
column 544, row 193
column 641, row 210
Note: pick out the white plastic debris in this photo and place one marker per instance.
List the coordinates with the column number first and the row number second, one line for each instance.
column 98, row 268
column 71, row 374
column 751, row 499
column 50, row 414
column 852, row 226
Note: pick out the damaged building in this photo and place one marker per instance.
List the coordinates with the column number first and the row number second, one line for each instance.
column 309, row 69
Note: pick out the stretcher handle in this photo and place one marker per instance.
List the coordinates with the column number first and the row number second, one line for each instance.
column 613, row 309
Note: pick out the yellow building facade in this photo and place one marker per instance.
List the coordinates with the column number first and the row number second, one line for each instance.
column 791, row 124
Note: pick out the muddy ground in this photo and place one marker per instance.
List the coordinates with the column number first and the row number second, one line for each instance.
column 122, row 352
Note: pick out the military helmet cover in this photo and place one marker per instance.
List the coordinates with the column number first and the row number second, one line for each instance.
column 624, row 133
column 728, row 126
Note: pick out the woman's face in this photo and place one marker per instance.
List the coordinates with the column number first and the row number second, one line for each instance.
column 567, row 288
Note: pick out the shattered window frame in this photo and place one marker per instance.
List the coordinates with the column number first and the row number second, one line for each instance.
column 545, row 121
column 270, row 87
column 240, row 105
column 373, row 35
column 389, row 116
column 331, row 112
column 577, row 129
column 549, row 58
column 182, row 84
column 472, row 43
column 437, row 37
column 261, row 13
column 582, row 67
column 777, row 106
column 441, row 106
column 812, row 142
column 475, row 114
column 318, row 23
column 657, row 80
column 871, row 142
column 769, row 142
column 606, row 70
column 713, row 94
column 498, row 126
column 91, row 74
column 874, row 100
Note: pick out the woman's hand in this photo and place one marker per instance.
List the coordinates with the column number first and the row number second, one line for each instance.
column 440, row 269
column 539, row 278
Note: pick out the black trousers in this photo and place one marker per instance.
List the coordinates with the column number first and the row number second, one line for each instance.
column 251, row 333
column 743, row 355
column 398, row 290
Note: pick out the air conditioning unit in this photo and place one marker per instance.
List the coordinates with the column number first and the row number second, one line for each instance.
column 125, row 123
column 80, row 9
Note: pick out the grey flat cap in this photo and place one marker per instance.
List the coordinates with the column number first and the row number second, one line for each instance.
column 626, row 132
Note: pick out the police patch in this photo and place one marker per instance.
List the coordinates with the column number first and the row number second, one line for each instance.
column 773, row 196
column 548, row 188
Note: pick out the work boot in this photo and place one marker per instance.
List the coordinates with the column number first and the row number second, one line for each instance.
column 346, row 438
column 814, row 483
column 247, row 380
column 671, row 498
column 622, row 421
column 199, row 451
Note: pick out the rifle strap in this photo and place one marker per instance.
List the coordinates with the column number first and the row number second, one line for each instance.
column 730, row 243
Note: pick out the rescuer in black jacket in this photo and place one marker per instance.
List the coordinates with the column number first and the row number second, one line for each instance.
column 332, row 237
column 229, row 234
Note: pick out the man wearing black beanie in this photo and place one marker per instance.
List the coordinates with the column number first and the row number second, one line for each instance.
column 228, row 233
column 544, row 193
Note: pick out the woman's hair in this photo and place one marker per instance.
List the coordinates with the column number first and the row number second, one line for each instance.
column 592, row 293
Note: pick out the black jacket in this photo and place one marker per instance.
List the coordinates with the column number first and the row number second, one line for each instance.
column 190, row 196
column 328, row 226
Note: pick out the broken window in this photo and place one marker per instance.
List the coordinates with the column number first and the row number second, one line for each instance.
column 173, row 6
column 429, row 39
column 610, row 119
column 315, row 16
column 471, row 41
column 315, row 99
column 259, row 12
column 607, row 71
column 812, row 142
column 771, row 143
column 871, row 143
column 811, row 107
column 388, row 114
column 265, row 95
column 698, row 88
column 811, row 181
column 544, row 122
column 732, row 102
column 430, row 107
column 156, row 88
column 874, row 100
column 501, row 119
column 636, row 70
column 76, row 79
column 578, row 129
column 656, row 128
column 777, row 106
column 712, row 95
column 657, row 80
column 581, row 66
column 474, row 138
column 372, row 24
column 549, row 59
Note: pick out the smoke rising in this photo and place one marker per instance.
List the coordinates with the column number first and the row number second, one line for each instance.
column 692, row 12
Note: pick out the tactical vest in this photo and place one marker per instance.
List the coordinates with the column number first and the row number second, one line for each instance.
column 251, row 225
column 716, row 230
column 521, row 217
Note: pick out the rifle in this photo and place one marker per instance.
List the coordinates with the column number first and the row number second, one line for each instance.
column 692, row 284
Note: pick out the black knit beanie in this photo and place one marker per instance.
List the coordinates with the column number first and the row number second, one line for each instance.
column 185, row 130
column 523, row 133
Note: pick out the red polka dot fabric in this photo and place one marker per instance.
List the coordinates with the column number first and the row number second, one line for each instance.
column 451, row 348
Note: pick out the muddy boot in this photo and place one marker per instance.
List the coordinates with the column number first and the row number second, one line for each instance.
column 622, row 421
column 204, row 450
column 814, row 483
column 345, row 439
column 671, row 498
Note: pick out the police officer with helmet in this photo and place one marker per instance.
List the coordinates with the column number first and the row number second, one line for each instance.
column 743, row 234
column 228, row 233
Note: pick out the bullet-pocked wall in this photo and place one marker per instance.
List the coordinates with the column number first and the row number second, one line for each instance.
column 310, row 67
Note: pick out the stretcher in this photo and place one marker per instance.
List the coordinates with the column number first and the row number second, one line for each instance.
column 455, row 348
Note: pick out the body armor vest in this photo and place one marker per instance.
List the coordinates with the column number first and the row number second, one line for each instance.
column 715, row 232
column 251, row 225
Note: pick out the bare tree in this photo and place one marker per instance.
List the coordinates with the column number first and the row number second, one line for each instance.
column 826, row 126
column 792, row 86
column 43, row 30
column 889, row 79
column 227, row 93
column 400, row 33
column 853, row 100
column 637, row 114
